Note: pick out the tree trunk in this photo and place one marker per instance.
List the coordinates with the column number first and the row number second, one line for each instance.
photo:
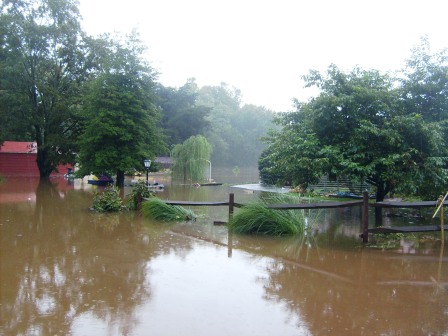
column 45, row 167
column 120, row 179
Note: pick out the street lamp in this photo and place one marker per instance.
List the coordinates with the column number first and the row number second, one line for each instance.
column 147, row 164
column 210, row 171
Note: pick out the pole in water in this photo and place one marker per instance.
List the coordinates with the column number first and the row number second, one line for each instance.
column 231, row 205
column 440, row 208
column 365, row 217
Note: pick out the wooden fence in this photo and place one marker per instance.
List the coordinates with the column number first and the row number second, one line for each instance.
column 364, row 204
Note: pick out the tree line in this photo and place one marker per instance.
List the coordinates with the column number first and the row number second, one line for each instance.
column 96, row 101
column 389, row 130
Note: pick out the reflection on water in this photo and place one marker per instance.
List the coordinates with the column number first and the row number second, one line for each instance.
column 65, row 270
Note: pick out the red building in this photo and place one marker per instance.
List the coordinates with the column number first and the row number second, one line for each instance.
column 18, row 158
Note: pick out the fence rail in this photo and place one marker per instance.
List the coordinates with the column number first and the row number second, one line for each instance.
column 320, row 205
column 364, row 204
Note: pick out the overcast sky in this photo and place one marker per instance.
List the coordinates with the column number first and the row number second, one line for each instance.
column 263, row 47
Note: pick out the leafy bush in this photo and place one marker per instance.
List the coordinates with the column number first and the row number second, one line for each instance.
column 107, row 201
column 138, row 189
column 157, row 209
column 257, row 218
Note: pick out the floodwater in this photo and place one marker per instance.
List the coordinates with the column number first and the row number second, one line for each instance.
column 68, row 271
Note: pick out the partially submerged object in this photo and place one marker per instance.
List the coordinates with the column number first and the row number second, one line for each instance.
column 210, row 184
column 103, row 180
column 156, row 186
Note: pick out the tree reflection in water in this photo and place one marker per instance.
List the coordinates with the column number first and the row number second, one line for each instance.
column 60, row 261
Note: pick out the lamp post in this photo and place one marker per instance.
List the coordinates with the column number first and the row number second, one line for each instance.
column 147, row 164
column 210, row 171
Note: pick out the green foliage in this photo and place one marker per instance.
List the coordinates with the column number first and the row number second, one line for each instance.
column 294, row 155
column 108, row 200
column 157, row 209
column 234, row 131
column 257, row 218
column 424, row 83
column 44, row 63
column 139, row 192
column 361, row 126
column 182, row 116
column 190, row 158
column 120, row 118
column 236, row 170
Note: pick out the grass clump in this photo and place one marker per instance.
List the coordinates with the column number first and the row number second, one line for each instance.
column 257, row 218
column 157, row 209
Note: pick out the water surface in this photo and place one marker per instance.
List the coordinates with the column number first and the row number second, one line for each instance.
column 67, row 271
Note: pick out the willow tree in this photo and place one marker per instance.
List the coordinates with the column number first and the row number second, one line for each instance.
column 191, row 158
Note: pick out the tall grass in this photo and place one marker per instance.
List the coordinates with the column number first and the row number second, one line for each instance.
column 157, row 209
column 257, row 218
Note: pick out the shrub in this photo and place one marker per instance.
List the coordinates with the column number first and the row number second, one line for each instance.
column 139, row 188
column 107, row 201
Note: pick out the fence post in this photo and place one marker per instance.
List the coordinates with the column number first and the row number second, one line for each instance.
column 365, row 217
column 229, row 233
column 231, row 204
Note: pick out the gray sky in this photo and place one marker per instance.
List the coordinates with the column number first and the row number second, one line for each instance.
column 263, row 47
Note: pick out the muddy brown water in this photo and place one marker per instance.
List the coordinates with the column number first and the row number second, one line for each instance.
column 67, row 271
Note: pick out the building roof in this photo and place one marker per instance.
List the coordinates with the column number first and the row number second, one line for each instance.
column 164, row 159
column 18, row 147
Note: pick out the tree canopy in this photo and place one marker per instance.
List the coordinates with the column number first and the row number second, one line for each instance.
column 366, row 127
column 120, row 117
column 84, row 99
column 182, row 117
column 235, row 132
column 44, row 62
column 57, row 84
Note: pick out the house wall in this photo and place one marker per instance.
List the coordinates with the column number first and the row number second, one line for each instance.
column 24, row 164
column 164, row 162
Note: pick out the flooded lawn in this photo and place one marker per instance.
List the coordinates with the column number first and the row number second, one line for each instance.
column 67, row 271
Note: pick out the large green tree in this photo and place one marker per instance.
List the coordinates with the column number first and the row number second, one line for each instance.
column 247, row 127
column 424, row 91
column 356, row 127
column 235, row 130
column 44, row 61
column 120, row 115
column 424, row 83
column 292, row 157
column 182, row 117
